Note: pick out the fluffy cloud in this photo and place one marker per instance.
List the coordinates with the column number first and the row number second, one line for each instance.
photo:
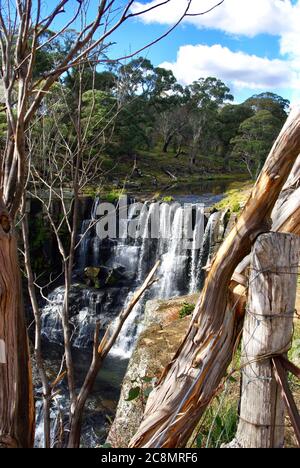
column 245, row 17
column 237, row 68
column 248, row 18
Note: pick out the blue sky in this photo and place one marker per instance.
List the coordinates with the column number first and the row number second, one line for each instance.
column 252, row 45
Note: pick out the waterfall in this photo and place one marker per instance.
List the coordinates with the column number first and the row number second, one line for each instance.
column 85, row 239
column 206, row 252
column 173, row 261
column 142, row 246
column 110, row 270
column 148, row 245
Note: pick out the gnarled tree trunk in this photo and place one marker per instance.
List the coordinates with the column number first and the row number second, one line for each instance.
column 16, row 396
column 190, row 381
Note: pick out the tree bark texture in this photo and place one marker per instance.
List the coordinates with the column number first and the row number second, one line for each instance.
column 16, row 394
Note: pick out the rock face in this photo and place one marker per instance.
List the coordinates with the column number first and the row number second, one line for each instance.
column 162, row 335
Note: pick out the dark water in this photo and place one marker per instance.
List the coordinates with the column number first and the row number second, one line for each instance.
column 211, row 187
column 204, row 191
column 101, row 405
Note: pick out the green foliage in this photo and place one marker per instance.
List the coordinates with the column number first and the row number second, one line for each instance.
column 270, row 102
column 221, row 427
column 133, row 394
column 53, row 51
column 186, row 310
column 255, row 139
column 231, row 117
column 135, row 108
column 113, row 196
column 105, row 446
column 236, row 207
column 100, row 81
column 3, row 128
column 143, row 386
column 167, row 199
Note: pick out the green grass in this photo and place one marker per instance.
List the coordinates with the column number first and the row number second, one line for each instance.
column 294, row 353
column 219, row 423
column 236, row 196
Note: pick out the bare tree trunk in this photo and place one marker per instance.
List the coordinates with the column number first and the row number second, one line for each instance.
column 190, row 381
column 16, row 395
column 38, row 331
column 67, row 340
column 167, row 142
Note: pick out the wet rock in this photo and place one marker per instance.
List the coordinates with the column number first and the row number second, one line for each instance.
column 103, row 276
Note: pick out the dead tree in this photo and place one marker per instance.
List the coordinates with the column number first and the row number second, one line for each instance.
column 75, row 167
column 190, row 381
column 64, row 165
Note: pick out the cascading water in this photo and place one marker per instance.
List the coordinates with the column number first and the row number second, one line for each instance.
column 198, row 237
column 115, row 268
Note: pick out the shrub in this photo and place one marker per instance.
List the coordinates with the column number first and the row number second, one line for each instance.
column 186, row 310
column 113, row 196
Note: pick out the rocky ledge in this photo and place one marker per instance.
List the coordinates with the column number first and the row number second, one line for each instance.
column 163, row 332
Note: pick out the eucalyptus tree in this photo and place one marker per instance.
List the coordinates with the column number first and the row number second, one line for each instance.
column 207, row 96
column 254, row 140
column 231, row 116
column 267, row 101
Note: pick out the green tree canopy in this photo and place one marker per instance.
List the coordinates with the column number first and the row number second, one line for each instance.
column 255, row 139
column 276, row 105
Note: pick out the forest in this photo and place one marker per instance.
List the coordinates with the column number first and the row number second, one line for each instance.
column 138, row 111
column 149, row 241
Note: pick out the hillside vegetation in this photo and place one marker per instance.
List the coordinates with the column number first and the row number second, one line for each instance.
column 141, row 129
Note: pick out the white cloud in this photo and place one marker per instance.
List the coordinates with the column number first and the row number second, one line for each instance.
column 245, row 17
column 248, row 18
column 236, row 68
